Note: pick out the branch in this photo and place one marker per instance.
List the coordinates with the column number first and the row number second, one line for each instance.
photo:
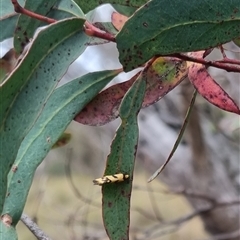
column 217, row 64
column 19, row 9
column 33, row 227
column 179, row 221
column 191, row 194
column 93, row 31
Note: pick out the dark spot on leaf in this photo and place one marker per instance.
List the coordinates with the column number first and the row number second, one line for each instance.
column 109, row 204
column 19, row 181
column 145, row 24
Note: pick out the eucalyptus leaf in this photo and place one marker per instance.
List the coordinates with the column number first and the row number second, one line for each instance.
column 116, row 196
column 24, row 93
column 8, row 18
column 160, row 28
column 26, row 26
column 58, row 112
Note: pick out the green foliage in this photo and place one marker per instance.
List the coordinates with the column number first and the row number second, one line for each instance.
column 116, row 200
column 34, row 113
column 177, row 27
column 7, row 18
column 27, row 26
column 35, row 76
column 58, row 112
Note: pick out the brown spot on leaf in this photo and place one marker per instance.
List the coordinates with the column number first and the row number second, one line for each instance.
column 7, row 220
column 14, row 168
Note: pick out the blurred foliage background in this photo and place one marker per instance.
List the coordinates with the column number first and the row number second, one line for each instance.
column 68, row 206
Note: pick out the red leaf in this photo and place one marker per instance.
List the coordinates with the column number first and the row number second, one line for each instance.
column 104, row 107
column 209, row 88
column 162, row 76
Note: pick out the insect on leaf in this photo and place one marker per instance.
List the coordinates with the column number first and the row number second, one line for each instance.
column 119, row 177
column 116, row 198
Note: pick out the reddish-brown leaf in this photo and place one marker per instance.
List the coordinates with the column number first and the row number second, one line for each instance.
column 118, row 20
column 104, row 107
column 162, row 76
column 209, row 88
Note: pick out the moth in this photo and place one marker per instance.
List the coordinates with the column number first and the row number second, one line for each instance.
column 119, row 177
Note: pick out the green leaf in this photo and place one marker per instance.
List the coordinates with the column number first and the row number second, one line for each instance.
column 7, row 8
column 58, row 112
column 26, row 26
column 7, row 232
column 24, row 93
column 10, row 22
column 116, row 196
column 160, row 28
column 8, row 18
column 70, row 7
column 87, row 6
column 61, row 10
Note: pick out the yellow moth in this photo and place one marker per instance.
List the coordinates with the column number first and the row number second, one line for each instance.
column 119, row 177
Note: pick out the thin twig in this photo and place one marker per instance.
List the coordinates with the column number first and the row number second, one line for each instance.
column 181, row 220
column 191, row 194
column 19, row 9
column 33, row 227
column 93, row 31
column 221, row 65
column 77, row 193
column 225, row 236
